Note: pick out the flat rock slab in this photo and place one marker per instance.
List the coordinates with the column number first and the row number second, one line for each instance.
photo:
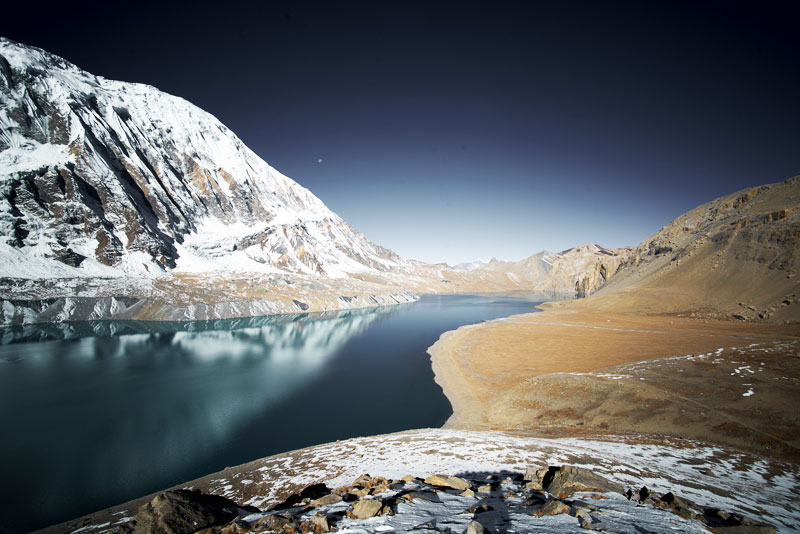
column 444, row 481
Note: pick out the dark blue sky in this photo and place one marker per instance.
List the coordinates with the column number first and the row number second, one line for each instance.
column 452, row 131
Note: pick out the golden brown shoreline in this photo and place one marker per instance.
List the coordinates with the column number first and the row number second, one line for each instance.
column 539, row 372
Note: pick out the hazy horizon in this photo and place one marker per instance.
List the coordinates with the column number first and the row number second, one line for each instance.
column 458, row 131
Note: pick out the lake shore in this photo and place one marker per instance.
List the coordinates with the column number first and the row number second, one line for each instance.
column 571, row 370
column 554, row 383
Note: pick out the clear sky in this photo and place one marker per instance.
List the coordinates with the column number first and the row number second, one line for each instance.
column 454, row 131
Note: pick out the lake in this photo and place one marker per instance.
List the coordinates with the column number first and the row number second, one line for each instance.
column 95, row 414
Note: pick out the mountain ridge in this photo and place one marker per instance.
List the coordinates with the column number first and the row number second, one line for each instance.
column 736, row 256
column 119, row 201
column 154, row 183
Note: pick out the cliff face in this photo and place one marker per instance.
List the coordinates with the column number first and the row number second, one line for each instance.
column 103, row 178
column 586, row 269
column 737, row 256
column 578, row 271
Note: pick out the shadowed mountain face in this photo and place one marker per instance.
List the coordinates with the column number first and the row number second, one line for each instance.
column 96, row 173
column 737, row 255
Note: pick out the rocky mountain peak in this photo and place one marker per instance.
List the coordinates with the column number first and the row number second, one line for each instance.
column 100, row 177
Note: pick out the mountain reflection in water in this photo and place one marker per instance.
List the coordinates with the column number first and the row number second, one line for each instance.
column 151, row 402
column 95, row 414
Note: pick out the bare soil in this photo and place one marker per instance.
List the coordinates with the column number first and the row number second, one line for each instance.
column 568, row 370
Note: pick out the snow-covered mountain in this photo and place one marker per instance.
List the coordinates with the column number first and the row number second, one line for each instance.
column 470, row 266
column 106, row 178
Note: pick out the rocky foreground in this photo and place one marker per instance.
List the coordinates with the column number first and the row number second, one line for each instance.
column 501, row 482
column 554, row 498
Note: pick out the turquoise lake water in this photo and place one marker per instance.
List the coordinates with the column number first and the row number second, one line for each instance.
column 95, row 414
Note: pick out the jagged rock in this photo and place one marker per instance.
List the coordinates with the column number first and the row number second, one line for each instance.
column 534, row 476
column 444, row 481
column 562, row 482
column 467, row 493
column 183, row 512
column 486, row 488
column 365, row 508
column 552, row 507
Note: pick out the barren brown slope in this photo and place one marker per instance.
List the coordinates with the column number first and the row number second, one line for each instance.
column 735, row 257
column 678, row 295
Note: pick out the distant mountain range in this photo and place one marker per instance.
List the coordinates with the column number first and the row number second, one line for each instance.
column 141, row 205
column 120, row 201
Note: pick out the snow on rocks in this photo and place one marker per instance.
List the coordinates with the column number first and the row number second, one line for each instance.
column 567, row 499
column 709, row 476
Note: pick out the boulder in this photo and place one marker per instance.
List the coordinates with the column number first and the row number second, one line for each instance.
column 444, row 481
column 326, row 500
column 561, row 482
column 475, row 528
column 534, row 476
column 183, row 512
column 321, row 522
column 366, row 508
